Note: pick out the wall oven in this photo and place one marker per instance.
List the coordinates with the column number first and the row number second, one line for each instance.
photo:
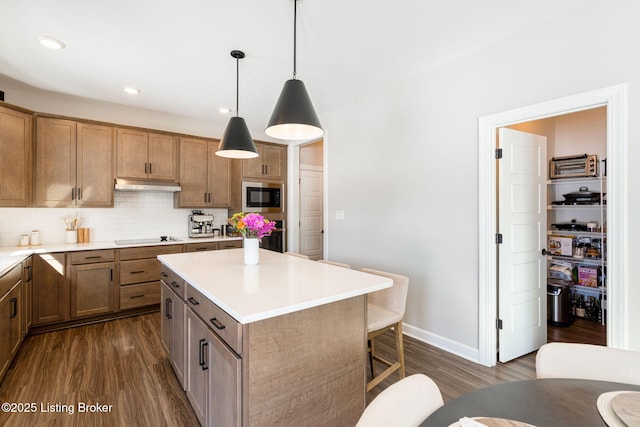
column 276, row 241
column 262, row 197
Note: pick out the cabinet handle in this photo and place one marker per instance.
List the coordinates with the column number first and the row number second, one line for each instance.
column 136, row 296
column 193, row 301
column 266, row 169
column 73, row 193
column 208, row 197
column 137, row 272
column 93, row 257
column 205, row 197
column 202, row 249
column 111, row 273
column 163, row 274
column 29, row 273
column 79, row 193
column 167, row 304
column 14, row 311
column 202, row 356
column 146, row 168
column 150, row 169
column 217, row 324
column 175, row 285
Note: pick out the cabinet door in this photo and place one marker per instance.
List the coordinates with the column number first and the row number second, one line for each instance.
column 163, row 157
column 10, row 336
column 219, row 178
column 198, row 366
column 92, row 289
column 252, row 168
column 15, row 157
column 94, row 165
column 194, row 164
column 225, row 395
column 132, row 153
column 178, row 339
column 272, row 160
column 55, row 162
column 50, row 289
column 167, row 308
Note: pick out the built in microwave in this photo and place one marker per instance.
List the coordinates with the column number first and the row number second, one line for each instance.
column 262, row 197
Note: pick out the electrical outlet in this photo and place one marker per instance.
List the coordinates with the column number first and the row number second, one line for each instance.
column 340, row 215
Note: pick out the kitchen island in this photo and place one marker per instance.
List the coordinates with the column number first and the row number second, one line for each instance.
column 278, row 343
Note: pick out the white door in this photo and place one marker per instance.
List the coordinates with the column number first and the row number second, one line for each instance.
column 522, row 221
column 311, row 214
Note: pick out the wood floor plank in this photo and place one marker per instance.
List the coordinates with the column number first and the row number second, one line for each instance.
column 122, row 363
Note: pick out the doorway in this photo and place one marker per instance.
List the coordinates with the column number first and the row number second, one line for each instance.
column 614, row 99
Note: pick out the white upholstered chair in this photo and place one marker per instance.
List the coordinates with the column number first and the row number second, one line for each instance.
column 586, row 361
column 385, row 310
column 405, row 403
column 296, row 255
column 339, row 264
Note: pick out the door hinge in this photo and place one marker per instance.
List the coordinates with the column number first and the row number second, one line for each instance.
column 498, row 153
column 498, row 238
column 498, row 323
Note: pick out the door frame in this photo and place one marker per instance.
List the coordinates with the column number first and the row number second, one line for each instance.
column 615, row 99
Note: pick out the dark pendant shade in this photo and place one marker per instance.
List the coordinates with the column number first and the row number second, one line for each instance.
column 236, row 141
column 294, row 117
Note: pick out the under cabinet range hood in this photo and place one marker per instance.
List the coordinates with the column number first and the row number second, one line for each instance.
column 145, row 185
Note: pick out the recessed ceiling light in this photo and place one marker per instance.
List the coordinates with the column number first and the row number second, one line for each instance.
column 224, row 110
column 51, row 43
column 131, row 90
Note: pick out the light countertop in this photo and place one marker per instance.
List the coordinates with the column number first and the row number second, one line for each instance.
column 278, row 285
column 11, row 255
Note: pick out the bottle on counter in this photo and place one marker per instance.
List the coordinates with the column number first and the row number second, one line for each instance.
column 580, row 309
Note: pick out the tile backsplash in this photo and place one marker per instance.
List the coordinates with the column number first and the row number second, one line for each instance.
column 135, row 215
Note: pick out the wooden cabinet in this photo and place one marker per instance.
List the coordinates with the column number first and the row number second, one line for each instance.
column 10, row 316
column 74, row 164
column 92, row 285
column 212, row 246
column 205, row 179
column 214, row 376
column 27, row 293
column 173, row 324
column 15, row 157
column 146, row 155
column 269, row 164
column 50, row 289
column 140, row 275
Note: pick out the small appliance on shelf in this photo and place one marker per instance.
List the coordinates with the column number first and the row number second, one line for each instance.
column 200, row 224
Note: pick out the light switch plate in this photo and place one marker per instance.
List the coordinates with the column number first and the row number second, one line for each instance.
column 339, row 215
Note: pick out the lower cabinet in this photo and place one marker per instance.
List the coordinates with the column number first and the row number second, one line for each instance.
column 92, row 287
column 11, row 315
column 173, row 330
column 50, row 289
column 214, row 376
column 27, row 292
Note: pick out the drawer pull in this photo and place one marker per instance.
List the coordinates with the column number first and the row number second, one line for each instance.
column 175, row 285
column 163, row 274
column 137, row 272
column 193, row 301
column 202, row 249
column 136, row 296
column 217, row 324
column 93, row 257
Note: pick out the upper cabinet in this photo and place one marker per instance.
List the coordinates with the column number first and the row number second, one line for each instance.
column 146, row 155
column 205, row 179
column 74, row 164
column 15, row 157
column 268, row 165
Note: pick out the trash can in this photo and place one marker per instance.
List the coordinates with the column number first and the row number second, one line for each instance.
column 559, row 304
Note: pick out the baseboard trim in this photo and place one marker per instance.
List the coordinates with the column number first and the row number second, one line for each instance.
column 446, row 344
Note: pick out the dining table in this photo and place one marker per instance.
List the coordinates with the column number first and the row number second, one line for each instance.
column 539, row 402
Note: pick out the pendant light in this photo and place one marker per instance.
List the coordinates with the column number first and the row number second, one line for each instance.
column 236, row 142
column 294, row 118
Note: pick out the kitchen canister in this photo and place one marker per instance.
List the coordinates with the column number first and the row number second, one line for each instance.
column 71, row 236
column 35, row 237
column 24, row 240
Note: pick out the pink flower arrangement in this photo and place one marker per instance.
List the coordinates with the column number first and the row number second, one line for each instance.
column 252, row 225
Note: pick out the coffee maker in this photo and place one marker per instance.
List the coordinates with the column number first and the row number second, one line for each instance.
column 200, row 224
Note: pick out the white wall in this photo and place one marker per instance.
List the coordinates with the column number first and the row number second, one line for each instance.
column 403, row 163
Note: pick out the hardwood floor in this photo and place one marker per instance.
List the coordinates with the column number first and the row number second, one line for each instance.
column 121, row 363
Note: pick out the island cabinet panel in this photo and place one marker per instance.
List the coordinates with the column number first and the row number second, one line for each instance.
column 173, row 330
column 307, row 367
column 50, row 289
column 16, row 156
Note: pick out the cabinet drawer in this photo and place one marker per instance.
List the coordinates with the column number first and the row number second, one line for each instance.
column 230, row 244
column 132, row 296
column 88, row 257
column 9, row 279
column 216, row 319
column 139, row 271
column 204, row 246
column 172, row 280
column 148, row 251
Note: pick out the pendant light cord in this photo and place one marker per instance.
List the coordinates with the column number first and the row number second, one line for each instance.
column 295, row 27
column 237, row 87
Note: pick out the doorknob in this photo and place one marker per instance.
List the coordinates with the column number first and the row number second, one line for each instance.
column 545, row 252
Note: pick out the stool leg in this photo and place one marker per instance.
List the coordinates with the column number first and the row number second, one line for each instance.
column 400, row 347
column 371, row 356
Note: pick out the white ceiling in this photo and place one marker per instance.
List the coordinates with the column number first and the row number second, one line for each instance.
column 177, row 52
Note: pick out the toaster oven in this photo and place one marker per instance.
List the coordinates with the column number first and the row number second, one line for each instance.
column 579, row 166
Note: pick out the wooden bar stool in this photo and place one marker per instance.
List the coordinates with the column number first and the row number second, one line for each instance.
column 338, row 264
column 385, row 310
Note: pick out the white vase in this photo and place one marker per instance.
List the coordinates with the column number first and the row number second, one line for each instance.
column 71, row 236
column 251, row 251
